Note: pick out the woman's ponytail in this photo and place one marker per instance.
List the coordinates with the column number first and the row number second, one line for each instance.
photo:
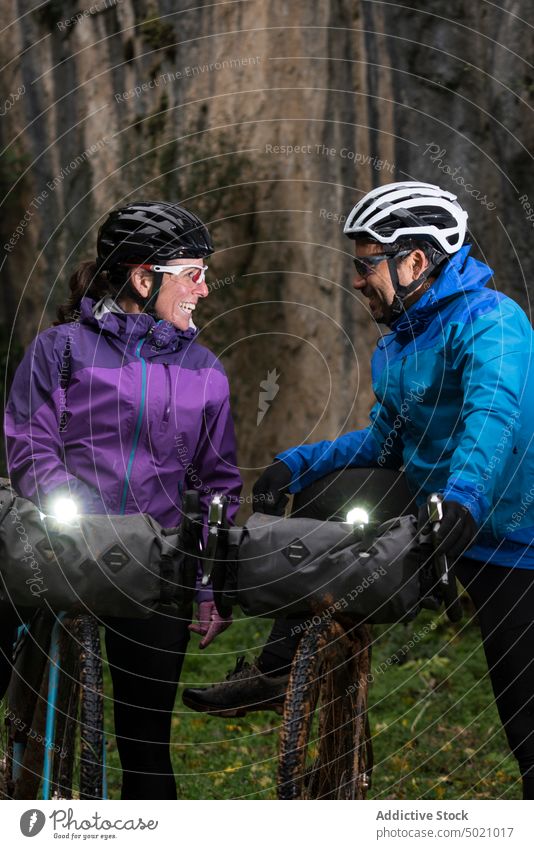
column 88, row 281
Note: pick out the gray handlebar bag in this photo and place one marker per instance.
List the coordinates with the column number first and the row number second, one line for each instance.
column 105, row 565
column 296, row 567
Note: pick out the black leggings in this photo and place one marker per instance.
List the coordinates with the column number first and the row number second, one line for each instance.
column 503, row 598
column 145, row 658
column 504, row 602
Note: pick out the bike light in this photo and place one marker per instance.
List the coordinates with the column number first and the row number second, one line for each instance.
column 357, row 516
column 64, row 510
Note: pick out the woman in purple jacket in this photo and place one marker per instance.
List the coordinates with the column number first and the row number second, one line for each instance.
column 119, row 408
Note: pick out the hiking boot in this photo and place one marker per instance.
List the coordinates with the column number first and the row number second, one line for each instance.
column 244, row 690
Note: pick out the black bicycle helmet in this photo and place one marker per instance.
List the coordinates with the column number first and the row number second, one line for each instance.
column 150, row 232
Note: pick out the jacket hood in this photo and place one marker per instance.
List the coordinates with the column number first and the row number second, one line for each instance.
column 462, row 273
column 132, row 326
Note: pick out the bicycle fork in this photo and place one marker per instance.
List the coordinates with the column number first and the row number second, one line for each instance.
column 53, row 683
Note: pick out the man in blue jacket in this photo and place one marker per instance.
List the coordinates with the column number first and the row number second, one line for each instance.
column 454, row 387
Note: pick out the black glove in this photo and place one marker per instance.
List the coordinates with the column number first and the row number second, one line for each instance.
column 269, row 491
column 457, row 529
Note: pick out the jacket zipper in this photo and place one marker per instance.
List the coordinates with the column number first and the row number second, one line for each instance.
column 167, row 413
column 401, row 381
column 138, row 423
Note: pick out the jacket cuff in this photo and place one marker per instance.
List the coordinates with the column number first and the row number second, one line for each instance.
column 289, row 459
column 469, row 495
column 203, row 594
column 87, row 499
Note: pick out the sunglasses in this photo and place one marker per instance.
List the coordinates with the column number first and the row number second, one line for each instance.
column 365, row 265
column 198, row 275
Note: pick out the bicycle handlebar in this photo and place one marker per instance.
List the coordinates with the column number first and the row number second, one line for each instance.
column 215, row 550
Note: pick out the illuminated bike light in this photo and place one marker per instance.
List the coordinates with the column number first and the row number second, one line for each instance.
column 64, row 510
column 357, row 516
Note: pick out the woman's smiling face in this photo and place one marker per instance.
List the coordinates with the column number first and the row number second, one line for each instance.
column 179, row 294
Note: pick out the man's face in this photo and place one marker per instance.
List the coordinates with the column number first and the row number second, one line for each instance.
column 179, row 294
column 377, row 285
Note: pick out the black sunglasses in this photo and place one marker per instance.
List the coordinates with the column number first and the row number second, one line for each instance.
column 365, row 265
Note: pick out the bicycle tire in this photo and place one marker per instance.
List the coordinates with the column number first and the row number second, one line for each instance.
column 329, row 673
column 78, row 765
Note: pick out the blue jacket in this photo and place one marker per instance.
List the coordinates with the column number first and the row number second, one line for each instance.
column 454, row 383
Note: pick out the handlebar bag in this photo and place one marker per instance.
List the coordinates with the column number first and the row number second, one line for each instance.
column 106, row 565
column 295, row 567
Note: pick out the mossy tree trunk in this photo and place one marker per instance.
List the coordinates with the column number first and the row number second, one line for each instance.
column 270, row 120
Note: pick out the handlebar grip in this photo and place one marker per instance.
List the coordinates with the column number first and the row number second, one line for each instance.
column 191, row 501
column 447, row 580
column 434, row 505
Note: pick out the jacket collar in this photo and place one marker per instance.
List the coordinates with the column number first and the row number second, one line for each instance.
column 106, row 305
column 462, row 273
column 133, row 326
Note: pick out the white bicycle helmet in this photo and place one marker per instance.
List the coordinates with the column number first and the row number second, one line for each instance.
column 409, row 209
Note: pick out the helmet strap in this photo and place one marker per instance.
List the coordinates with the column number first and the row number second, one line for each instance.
column 150, row 302
column 134, row 295
column 402, row 292
column 147, row 304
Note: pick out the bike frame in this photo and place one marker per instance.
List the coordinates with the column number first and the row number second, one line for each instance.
column 50, row 722
column 53, row 682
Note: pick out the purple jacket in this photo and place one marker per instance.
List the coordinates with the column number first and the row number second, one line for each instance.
column 125, row 413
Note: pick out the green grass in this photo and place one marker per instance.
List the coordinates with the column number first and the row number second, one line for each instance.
column 436, row 731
